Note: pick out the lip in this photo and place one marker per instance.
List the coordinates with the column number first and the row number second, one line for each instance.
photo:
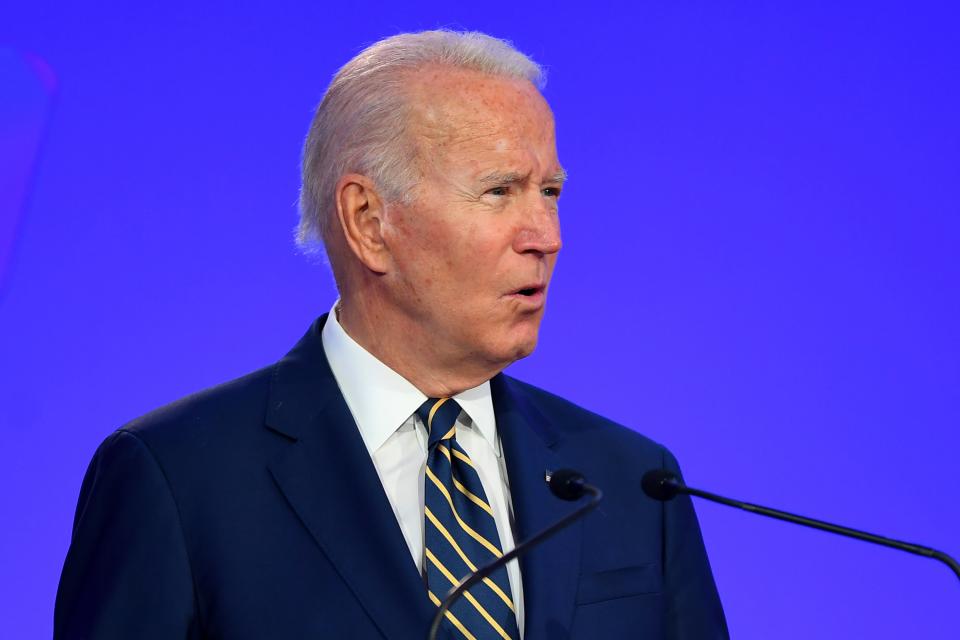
column 530, row 295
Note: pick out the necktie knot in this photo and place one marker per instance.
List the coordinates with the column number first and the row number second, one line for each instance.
column 439, row 416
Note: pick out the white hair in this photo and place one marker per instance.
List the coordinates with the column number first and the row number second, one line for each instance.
column 360, row 125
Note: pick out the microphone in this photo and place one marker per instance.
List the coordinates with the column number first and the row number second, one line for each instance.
column 664, row 485
column 565, row 484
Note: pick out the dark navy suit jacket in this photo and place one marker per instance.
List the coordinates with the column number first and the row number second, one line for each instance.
column 253, row 510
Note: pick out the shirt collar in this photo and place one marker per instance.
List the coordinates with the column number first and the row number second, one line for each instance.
column 381, row 400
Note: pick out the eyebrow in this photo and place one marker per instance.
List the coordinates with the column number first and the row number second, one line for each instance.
column 513, row 177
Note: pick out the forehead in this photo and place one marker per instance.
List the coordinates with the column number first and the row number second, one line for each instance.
column 457, row 109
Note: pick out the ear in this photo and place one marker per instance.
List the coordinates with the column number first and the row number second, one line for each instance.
column 360, row 210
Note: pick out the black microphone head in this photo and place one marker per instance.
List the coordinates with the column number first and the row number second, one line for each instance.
column 567, row 484
column 661, row 484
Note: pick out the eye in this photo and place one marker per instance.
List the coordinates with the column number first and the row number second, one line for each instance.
column 551, row 192
column 498, row 191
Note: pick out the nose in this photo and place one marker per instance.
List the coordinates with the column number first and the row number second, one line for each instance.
column 539, row 227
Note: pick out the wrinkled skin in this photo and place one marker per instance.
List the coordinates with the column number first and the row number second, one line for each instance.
column 451, row 286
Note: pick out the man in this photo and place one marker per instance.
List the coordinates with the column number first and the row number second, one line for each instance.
column 341, row 492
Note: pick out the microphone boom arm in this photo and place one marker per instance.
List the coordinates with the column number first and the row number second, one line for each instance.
column 909, row 547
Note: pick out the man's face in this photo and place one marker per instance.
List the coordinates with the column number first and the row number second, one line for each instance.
column 475, row 248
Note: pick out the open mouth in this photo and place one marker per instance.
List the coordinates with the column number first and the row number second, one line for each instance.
column 533, row 292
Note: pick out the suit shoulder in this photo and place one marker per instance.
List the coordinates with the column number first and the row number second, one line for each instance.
column 233, row 405
column 576, row 422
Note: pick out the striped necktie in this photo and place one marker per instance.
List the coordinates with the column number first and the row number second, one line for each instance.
column 460, row 533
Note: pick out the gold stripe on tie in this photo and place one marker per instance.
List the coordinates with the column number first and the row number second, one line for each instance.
column 474, row 499
column 452, row 618
column 489, row 546
column 460, row 456
column 466, row 594
column 453, row 543
column 433, row 410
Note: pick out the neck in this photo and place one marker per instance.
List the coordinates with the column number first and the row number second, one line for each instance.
column 399, row 342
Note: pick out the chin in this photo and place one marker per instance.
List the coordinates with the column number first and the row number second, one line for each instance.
column 504, row 349
column 521, row 349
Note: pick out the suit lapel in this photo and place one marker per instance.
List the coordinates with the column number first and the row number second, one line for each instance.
column 329, row 479
column 551, row 570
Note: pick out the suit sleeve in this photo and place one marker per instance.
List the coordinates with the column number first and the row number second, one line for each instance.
column 127, row 573
column 693, row 609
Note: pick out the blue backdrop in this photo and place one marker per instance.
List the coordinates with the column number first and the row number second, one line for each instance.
column 760, row 265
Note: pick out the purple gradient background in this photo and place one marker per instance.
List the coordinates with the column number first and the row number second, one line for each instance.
column 760, row 266
column 28, row 89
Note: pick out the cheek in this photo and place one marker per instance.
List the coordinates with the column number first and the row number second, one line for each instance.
column 403, row 229
column 416, row 246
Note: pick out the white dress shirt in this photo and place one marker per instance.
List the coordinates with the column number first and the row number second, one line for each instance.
column 384, row 405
